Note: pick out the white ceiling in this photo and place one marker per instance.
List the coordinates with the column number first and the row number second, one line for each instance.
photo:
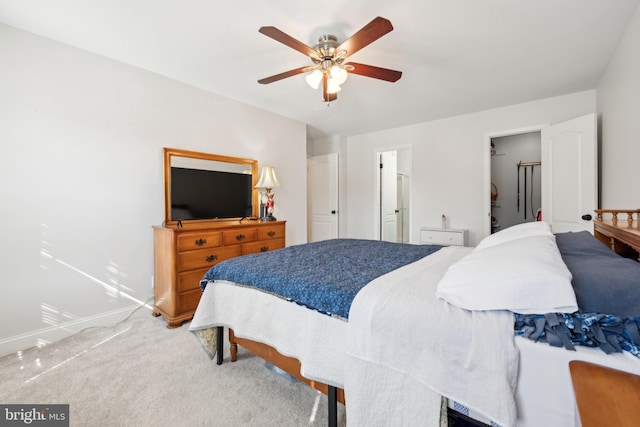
column 457, row 56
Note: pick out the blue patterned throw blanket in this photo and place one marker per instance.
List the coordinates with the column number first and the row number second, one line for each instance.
column 610, row 333
column 324, row 276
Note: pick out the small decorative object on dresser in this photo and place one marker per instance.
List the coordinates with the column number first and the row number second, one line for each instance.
column 266, row 182
column 182, row 255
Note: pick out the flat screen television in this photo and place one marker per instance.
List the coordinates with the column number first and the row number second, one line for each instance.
column 207, row 194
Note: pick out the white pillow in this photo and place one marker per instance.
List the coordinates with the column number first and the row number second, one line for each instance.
column 537, row 228
column 525, row 275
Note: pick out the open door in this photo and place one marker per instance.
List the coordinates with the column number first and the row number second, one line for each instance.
column 323, row 196
column 389, row 196
column 570, row 174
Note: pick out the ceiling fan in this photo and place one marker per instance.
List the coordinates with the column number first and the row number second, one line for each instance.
column 330, row 64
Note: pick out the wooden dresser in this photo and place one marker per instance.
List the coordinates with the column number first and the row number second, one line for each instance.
column 183, row 255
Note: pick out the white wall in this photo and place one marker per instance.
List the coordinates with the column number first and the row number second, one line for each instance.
column 81, row 181
column 450, row 164
column 448, row 154
column 619, row 110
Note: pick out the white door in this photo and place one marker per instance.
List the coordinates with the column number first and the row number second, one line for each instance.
column 389, row 196
column 323, row 197
column 403, row 206
column 570, row 174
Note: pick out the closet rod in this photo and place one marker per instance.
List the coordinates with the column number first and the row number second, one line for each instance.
column 529, row 164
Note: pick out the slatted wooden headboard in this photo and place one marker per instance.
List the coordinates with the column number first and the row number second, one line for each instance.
column 622, row 237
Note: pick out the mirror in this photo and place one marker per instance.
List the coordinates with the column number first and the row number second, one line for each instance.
column 195, row 161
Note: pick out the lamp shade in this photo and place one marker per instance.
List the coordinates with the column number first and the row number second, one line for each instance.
column 339, row 74
column 314, row 78
column 268, row 178
column 333, row 86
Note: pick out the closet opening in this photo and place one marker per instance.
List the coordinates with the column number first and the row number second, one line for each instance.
column 515, row 179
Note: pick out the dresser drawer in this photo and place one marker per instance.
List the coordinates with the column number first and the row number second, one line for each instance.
column 262, row 246
column 271, row 232
column 190, row 280
column 240, row 235
column 183, row 255
column 201, row 240
column 188, row 301
column 447, row 237
column 206, row 257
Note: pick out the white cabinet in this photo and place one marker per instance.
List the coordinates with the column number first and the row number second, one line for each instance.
column 443, row 236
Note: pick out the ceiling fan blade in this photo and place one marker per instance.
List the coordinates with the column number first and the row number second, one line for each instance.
column 367, row 35
column 375, row 72
column 287, row 40
column 326, row 96
column 284, row 75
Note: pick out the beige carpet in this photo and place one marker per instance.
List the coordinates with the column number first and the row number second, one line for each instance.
column 139, row 373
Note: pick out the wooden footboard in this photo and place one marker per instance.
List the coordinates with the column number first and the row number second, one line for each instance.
column 288, row 364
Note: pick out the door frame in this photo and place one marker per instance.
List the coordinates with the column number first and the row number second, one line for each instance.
column 487, row 166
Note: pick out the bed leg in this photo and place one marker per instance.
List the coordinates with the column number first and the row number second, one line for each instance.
column 219, row 343
column 332, row 401
column 233, row 346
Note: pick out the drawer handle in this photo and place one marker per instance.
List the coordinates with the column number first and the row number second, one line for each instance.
column 264, row 249
column 240, row 237
column 211, row 258
column 271, row 233
column 201, row 242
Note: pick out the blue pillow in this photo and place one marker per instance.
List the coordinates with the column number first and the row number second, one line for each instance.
column 603, row 281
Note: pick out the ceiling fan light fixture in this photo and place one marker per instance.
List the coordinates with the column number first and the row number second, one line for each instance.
column 338, row 74
column 333, row 86
column 314, row 78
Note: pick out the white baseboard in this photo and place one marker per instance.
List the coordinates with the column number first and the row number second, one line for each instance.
column 52, row 334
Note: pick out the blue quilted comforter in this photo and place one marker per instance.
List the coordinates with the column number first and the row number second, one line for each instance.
column 324, row 276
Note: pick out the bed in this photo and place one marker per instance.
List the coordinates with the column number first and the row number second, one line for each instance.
column 417, row 333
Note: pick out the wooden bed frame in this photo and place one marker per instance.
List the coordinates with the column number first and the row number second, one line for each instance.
column 605, row 396
column 288, row 364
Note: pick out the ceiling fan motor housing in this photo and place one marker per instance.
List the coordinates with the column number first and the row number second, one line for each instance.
column 326, row 48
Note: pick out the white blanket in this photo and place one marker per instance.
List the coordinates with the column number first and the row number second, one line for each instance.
column 406, row 347
column 315, row 339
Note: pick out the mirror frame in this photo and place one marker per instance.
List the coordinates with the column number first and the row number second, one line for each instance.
column 169, row 153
